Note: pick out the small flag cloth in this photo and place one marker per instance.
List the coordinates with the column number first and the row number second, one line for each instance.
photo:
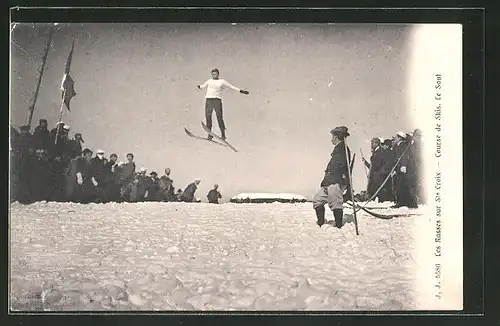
column 68, row 85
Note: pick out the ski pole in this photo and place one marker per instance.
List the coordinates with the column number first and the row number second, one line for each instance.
column 366, row 168
column 350, row 186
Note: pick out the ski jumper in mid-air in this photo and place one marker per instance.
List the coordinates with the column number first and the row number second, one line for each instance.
column 213, row 100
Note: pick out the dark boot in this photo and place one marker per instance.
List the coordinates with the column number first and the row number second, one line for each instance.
column 338, row 214
column 320, row 215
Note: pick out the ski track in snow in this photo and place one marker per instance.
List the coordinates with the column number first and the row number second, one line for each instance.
column 177, row 256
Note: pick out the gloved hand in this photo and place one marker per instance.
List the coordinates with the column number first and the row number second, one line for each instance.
column 79, row 178
column 198, row 86
column 403, row 169
column 244, row 92
column 393, row 173
column 94, row 182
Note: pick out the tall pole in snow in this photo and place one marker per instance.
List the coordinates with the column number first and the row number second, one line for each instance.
column 350, row 186
column 42, row 69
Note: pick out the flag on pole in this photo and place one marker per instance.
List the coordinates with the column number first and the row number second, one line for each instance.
column 68, row 85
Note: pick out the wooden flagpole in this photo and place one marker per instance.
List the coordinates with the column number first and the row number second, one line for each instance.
column 42, row 70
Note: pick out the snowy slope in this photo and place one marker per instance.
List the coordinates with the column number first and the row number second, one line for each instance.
column 267, row 197
column 178, row 256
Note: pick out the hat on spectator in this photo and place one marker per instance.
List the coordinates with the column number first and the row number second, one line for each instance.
column 402, row 134
column 340, row 131
column 79, row 135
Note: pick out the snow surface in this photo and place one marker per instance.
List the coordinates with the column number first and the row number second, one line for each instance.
column 197, row 256
column 261, row 195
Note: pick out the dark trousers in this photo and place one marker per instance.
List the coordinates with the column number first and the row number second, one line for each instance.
column 404, row 194
column 214, row 104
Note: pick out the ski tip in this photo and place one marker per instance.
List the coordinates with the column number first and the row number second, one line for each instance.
column 189, row 133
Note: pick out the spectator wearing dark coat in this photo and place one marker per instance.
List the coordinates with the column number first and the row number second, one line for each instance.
column 138, row 186
column 188, row 194
column 24, row 153
column 61, row 157
column 178, row 195
column 25, row 144
column 98, row 175
column 61, row 132
column 85, row 189
column 404, row 173
column 111, row 170
column 153, row 187
column 42, row 135
column 75, row 145
column 376, row 166
column 417, row 190
column 387, row 193
column 166, row 187
column 214, row 195
column 126, row 176
column 41, row 174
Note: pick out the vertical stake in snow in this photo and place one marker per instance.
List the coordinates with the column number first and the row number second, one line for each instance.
column 41, row 71
column 350, row 186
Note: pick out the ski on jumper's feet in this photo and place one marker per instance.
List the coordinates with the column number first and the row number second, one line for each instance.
column 219, row 138
column 190, row 134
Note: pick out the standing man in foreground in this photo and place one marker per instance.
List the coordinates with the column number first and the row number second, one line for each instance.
column 213, row 100
column 335, row 181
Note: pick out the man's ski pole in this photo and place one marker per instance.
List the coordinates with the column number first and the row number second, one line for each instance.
column 350, row 186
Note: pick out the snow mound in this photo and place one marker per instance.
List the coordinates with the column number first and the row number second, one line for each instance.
column 268, row 198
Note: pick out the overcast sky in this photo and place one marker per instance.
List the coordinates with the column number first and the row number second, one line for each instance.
column 136, row 86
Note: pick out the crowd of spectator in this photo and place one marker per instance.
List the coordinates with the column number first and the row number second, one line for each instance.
column 405, row 183
column 49, row 166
